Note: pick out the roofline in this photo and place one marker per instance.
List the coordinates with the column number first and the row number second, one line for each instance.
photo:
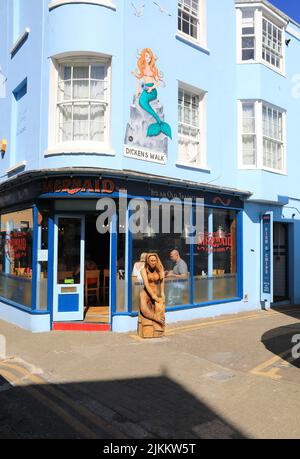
column 273, row 8
column 28, row 176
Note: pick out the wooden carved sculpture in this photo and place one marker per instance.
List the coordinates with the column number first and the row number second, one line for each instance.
column 151, row 323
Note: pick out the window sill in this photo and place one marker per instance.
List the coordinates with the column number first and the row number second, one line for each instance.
column 105, row 3
column 191, row 42
column 80, row 149
column 16, row 167
column 263, row 169
column 193, row 166
column 265, row 64
column 20, row 41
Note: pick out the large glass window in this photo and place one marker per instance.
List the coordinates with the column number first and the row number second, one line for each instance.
column 16, row 257
column 215, row 257
column 42, row 266
column 171, row 245
column 214, row 251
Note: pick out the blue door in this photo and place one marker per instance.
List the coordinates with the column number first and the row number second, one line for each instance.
column 68, row 294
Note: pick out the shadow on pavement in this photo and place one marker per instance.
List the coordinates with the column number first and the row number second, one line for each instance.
column 154, row 407
column 289, row 310
column 285, row 342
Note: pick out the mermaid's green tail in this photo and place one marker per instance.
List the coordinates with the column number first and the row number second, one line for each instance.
column 160, row 126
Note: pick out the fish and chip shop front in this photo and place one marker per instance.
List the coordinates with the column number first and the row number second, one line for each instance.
column 60, row 269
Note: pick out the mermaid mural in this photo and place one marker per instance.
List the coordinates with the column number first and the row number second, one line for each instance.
column 147, row 128
column 148, row 72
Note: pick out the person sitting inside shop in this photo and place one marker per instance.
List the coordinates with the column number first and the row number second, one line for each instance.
column 89, row 265
column 180, row 270
column 178, row 286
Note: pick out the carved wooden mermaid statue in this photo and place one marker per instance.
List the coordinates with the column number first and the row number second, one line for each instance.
column 151, row 322
column 148, row 72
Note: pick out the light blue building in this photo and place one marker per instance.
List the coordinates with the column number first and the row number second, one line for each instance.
column 195, row 100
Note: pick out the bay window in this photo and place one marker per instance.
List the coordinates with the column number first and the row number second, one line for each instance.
column 262, row 136
column 261, row 36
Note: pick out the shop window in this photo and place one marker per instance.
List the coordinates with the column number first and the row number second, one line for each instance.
column 215, row 257
column 16, row 257
column 173, row 248
column 42, row 267
column 121, row 273
column 201, row 266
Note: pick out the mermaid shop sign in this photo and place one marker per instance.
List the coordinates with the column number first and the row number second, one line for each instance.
column 147, row 132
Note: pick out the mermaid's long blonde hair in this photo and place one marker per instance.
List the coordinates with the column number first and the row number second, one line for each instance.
column 142, row 64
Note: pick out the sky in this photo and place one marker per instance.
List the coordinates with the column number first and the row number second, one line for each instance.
column 290, row 7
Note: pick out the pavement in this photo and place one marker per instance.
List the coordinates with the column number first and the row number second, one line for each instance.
column 232, row 376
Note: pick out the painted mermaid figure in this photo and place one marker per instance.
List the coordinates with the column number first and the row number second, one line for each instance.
column 148, row 72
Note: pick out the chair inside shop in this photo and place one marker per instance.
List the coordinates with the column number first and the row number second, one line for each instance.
column 92, row 286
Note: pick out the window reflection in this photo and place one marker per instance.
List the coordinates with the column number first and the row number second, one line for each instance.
column 16, row 256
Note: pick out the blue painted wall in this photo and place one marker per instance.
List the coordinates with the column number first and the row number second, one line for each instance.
column 119, row 34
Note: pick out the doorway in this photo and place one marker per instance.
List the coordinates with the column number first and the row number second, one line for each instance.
column 81, row 290
column 280, row 262
column 97, row 273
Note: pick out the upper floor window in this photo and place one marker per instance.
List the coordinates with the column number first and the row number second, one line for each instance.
column 189, row 18
column 80, row 104
column 261, row 37
column 262, row 136
column 248, row 35
column 191, row 127
column 271, row 43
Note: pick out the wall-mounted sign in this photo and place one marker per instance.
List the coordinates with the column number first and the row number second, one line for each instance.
column 73, row 186
column 144, row 155
column 147, row 132
column 43, row 255
column 267, row 258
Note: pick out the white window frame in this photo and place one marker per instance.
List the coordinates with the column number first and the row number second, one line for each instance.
column 107, row 3
column 55, row 146
column 258, row 109
column 202, row 164
column 260, row 12
column 201, row 39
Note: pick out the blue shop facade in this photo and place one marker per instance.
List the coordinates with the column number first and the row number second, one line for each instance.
column 50, row 239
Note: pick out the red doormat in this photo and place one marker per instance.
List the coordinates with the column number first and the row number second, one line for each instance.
column 64, row 326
